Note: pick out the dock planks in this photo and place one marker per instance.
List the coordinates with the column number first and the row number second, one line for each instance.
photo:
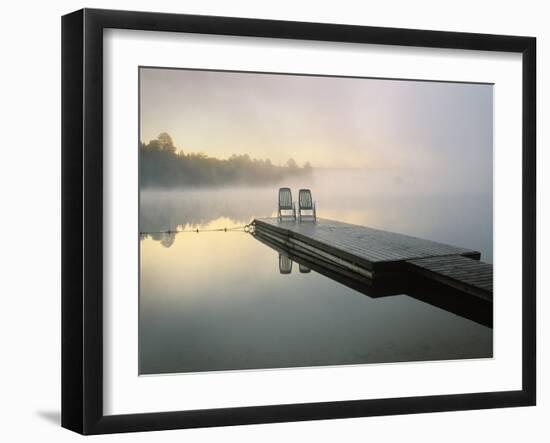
column 377, row 254
column 374, row 248
column 462, row 273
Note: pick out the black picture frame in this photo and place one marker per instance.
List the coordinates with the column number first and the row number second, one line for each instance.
column 82, row 220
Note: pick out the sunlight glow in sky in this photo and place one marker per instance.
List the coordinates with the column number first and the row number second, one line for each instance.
column 410, row 127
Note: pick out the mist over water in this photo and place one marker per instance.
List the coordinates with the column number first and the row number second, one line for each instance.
column 376, row 198
column 217, row 301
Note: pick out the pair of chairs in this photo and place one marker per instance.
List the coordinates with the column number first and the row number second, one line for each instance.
column 305, row 204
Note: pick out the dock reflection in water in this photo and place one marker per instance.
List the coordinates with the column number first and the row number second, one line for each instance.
column 415, row 286
column 218, row 301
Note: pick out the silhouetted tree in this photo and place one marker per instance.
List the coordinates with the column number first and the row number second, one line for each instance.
column 291, row 164
column 165, row 142
column 162, row 166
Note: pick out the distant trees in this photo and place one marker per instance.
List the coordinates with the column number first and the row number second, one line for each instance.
column 165, row 142
column 291, row 164
column 162, row 166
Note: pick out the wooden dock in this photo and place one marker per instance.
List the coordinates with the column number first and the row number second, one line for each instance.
column 377, row 255
column 462, row 273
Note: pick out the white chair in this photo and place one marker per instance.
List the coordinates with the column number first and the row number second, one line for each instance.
column 306, row 203
column 286, row 204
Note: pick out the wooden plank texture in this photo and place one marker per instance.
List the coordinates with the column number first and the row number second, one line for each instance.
column 471, row 276
column 374, row 248
column 378, row 254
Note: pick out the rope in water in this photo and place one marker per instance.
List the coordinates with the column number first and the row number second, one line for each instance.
column 244, row 228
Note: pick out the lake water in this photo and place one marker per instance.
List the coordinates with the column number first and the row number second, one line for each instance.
column 214, row 301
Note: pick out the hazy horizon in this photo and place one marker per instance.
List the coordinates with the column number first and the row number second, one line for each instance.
column 438, row 132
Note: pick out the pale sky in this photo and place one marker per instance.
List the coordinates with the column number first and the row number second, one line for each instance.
column 328, row 121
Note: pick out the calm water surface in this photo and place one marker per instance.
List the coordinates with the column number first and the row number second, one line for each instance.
column 217, row 301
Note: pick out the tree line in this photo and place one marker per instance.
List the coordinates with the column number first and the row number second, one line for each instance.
column 161, row 165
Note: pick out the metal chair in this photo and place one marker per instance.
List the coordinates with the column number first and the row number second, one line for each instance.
column 286, row 204
column 306, row 203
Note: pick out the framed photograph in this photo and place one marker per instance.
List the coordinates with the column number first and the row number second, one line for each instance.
column 268, row 221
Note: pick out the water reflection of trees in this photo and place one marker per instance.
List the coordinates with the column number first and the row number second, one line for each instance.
column 164, row 211
column 166, row 239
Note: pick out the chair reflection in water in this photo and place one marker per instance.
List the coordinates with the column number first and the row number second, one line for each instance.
column 285, row 265
column 306, row 203
column 286, row 205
